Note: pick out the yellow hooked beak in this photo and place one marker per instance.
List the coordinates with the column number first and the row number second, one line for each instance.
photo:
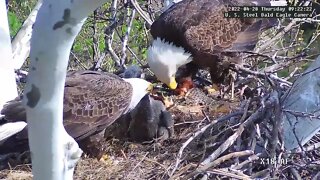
column 173, row 84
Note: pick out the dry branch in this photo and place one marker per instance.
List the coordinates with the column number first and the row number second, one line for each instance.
column 21, row 42
column 277, row 37
column 227, row 173
column 262, row 75
column 142, row 13
column 130, row 17
column 109, row 33
column 196, row 134
column 222, row 159
column 258, row 114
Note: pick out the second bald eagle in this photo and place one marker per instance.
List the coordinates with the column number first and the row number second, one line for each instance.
column 92, row 101
column 195, row 33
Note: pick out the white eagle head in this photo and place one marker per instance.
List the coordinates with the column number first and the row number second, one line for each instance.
column 164, row 59
column 140, row 88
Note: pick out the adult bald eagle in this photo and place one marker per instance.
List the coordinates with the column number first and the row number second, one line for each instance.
column 92, row 101
column 196, row 34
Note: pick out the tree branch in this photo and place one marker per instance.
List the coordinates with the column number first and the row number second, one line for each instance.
column 54, row 152
column 21, row 42
column 143, row 14
column 126, row 37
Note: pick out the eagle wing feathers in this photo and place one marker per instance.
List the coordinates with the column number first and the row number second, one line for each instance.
column 92, row 101
column 200, row 26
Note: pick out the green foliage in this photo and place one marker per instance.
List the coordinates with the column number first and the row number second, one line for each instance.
column 144, row 53
column 22, row 8
column 138, row 41
column 14, row 23
column 284, row 73
column 18, row 11
column 82, row 51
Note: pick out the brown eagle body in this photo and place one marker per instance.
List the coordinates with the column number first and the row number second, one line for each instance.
column 200, row 28
column 92, row 101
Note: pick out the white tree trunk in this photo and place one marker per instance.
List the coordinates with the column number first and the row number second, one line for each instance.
column 8, row 86
column 54, row 152
column 8, row 90
column 20, row 52
column 21, row 42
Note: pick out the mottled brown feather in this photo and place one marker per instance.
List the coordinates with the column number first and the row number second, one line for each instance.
column 92, row 101
column 200, row 27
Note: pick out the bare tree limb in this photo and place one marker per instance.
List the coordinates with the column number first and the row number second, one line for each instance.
column 142, row 13
column 95, row 39
column 277, row 37
column 130, row 19
column 21, row 42
column 260, row 112
column 196, row 134
column 8, row 90
column 220, row 160
column 109, row 33
column 54, row 152
column 261, row 75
